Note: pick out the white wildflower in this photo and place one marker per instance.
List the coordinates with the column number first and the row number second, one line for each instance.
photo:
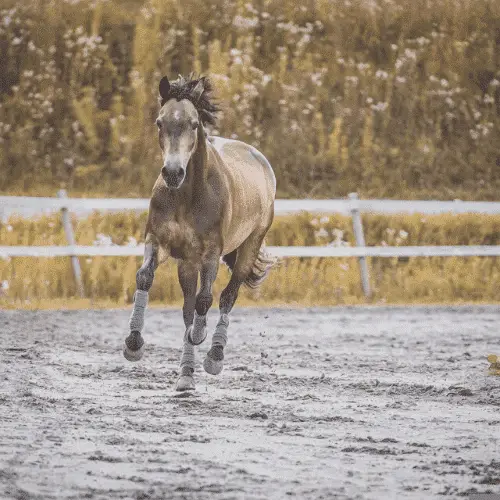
column 380, row 106
column 102, row 240
column 245, row 22
column 316, row 78
column 321, row 233
column 474, row 134
column 411, row 54
column 338, row 233
column 266, row 79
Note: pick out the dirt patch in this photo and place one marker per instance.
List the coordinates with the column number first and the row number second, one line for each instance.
column 312, row 403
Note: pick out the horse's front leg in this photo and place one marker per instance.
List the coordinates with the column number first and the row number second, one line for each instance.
column 134, row 343
column 204, row 299
column 188, row 279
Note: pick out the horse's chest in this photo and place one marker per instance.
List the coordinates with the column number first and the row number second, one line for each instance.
column 180, row 241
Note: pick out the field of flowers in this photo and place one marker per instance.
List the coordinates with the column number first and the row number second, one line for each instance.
column 389, row 98
column 31, row 283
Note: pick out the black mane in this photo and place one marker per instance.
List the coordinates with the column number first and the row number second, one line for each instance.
column 182, row 88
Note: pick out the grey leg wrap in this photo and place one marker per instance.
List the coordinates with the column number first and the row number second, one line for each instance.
column 188, row 357
column 186, row 381
column 198, row 332
column 134, row 343
column 220, row 334
column 214, row 362
column 136, row 321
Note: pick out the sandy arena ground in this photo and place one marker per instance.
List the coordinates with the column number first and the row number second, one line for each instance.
column 385, row 403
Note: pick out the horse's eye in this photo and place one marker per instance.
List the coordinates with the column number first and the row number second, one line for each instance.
column 158, row 123
column 194, row 125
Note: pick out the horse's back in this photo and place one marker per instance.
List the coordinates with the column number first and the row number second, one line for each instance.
column 247, row 159
column 252, row 189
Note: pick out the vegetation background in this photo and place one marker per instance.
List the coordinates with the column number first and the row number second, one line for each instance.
column 389, row 98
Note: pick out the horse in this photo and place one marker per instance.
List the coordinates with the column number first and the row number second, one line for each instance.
column 213, row 201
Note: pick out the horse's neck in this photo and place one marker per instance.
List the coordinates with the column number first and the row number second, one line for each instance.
column 197, row 174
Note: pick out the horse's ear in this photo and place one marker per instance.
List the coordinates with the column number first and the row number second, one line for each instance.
column 198, row 89
column 164, row 87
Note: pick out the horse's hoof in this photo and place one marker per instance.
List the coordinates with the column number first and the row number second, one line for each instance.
column 212, row 366
column 131, row 355
column 185, row 383
column 197, row 334
column 214, row 362
column 133, row 349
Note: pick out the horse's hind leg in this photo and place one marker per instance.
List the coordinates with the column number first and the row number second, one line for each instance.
column 134, row 343
column 245, row 258
column 188, row 279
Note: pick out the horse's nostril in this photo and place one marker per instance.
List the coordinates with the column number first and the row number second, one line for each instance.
column 173, row 175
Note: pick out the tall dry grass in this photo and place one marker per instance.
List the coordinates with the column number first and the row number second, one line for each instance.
column 27, row 282
column 390, row 98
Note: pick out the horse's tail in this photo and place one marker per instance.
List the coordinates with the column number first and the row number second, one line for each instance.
column 261, row 267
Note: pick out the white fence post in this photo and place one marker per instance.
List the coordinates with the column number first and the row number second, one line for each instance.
column 68, row 230
column 360, row 242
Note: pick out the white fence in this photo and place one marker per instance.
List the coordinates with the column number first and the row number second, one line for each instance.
column 29, row 206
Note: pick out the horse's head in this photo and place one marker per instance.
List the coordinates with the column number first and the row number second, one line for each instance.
column 185, row 108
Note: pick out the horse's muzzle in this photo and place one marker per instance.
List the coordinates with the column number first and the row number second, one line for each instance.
column 173, row 177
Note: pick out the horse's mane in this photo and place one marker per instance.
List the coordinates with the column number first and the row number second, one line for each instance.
column 183, row 87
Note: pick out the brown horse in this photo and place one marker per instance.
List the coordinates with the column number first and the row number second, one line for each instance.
column 214, row 198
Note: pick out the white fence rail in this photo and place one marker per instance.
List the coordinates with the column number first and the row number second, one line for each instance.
column 295, row 251
column 30, row 206
column 33, row 205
